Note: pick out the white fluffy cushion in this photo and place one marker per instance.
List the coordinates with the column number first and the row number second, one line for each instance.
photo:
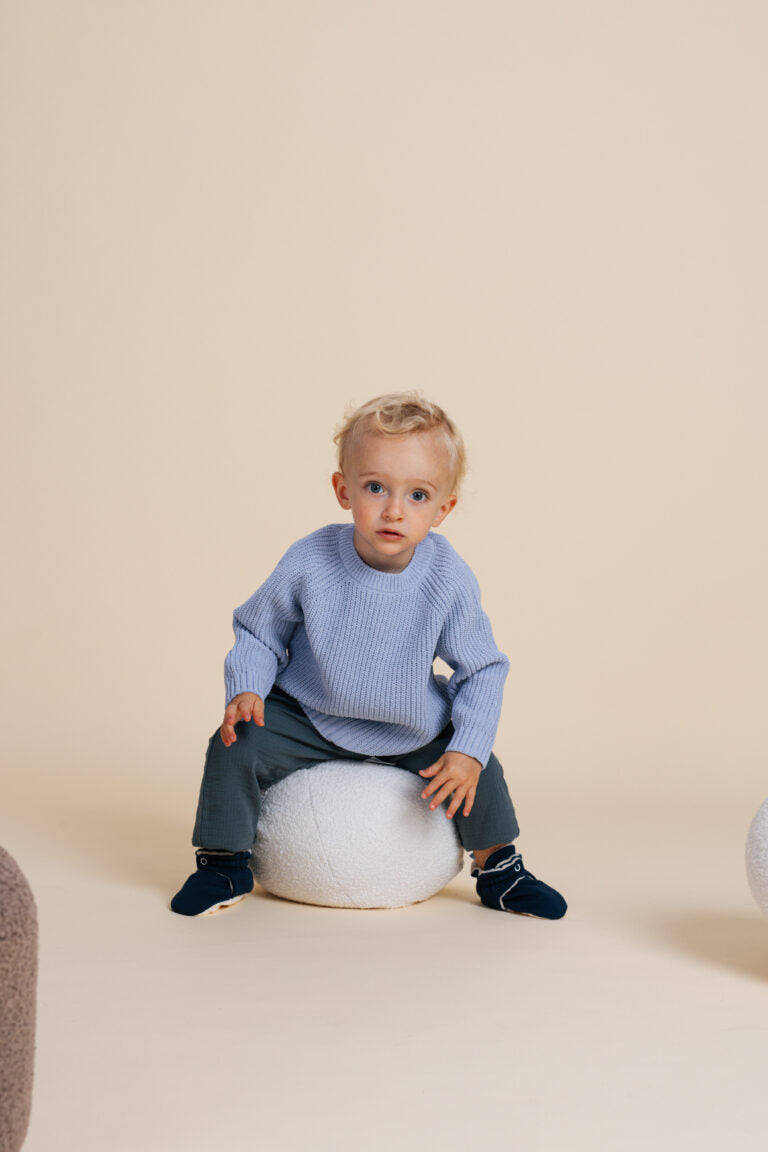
column 354, row 834
column 757, row 857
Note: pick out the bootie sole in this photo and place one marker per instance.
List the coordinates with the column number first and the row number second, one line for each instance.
column 220, row 907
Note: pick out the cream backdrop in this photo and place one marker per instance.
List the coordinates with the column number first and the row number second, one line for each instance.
column 223, row 224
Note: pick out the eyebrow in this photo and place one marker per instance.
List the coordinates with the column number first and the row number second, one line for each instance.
column 423, row 483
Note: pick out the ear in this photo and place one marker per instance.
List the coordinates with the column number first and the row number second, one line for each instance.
column 340, row 488
column 447, row 507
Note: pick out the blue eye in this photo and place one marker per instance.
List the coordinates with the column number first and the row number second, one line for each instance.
column 419, row 492
column 373, row 484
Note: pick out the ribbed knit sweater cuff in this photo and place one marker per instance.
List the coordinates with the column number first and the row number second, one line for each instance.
column 249, row 680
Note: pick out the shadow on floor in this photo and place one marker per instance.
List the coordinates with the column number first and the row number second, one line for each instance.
column 736, row 942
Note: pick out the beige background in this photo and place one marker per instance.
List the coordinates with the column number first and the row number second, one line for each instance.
column 224, row 224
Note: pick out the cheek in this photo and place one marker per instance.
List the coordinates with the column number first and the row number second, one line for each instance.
column 365, row 506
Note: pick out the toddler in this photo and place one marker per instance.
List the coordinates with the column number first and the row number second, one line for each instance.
column 333, row 660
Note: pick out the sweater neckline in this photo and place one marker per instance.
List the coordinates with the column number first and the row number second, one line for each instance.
column 384, row 581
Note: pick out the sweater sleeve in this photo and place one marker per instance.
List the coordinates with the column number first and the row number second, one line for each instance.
column 263, row 626
column 476, row 688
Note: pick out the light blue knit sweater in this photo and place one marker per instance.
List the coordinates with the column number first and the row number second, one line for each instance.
column 355, row 646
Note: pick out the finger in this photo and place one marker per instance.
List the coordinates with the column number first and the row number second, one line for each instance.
column 443, row 794
column 431, row 771
column 470, row 801
column 228, row 726
column 433, row 785
column 455, row 804
column 227, row 730
column 258, row 711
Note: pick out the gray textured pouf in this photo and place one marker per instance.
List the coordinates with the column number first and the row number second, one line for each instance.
column 757, row 857
column 18, row 995
column 354, row 834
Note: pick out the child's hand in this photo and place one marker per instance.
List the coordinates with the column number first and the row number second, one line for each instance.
column 457, row 773
column 244, row 706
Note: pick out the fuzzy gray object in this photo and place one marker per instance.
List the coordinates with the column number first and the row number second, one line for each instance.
column 757, row 857
column 354, row 834
column 18, row 1002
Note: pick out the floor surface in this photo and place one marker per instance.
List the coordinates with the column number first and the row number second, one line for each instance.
column 637, row 1022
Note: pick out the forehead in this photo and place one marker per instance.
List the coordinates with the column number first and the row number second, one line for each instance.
column 415, row 453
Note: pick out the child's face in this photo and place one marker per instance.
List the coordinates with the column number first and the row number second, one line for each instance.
column 398, row 488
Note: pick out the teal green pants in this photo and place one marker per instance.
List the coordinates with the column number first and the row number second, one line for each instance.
column 235, row 778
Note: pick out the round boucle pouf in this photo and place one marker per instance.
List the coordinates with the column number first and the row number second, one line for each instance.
column 757, row 857
column 354, row 834
column 18, row 997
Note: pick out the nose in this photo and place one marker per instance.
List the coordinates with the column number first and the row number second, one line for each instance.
column 393, row 510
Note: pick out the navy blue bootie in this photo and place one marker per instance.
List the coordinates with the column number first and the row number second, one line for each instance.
column 505, row 883
column 221, row 879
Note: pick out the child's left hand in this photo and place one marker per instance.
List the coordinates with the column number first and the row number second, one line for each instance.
column 454, row 772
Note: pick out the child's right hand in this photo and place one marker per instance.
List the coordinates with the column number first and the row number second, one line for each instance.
column 244, row 706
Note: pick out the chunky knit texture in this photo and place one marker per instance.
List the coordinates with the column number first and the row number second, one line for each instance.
column 356, row 646
column 18, row 1002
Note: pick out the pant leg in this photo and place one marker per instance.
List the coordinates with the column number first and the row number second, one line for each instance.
column 492, row 819
column 234, row 778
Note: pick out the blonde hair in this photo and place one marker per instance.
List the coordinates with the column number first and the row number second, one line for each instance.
column 396, row 414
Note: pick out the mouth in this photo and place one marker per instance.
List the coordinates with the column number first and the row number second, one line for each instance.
column 390, row 535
